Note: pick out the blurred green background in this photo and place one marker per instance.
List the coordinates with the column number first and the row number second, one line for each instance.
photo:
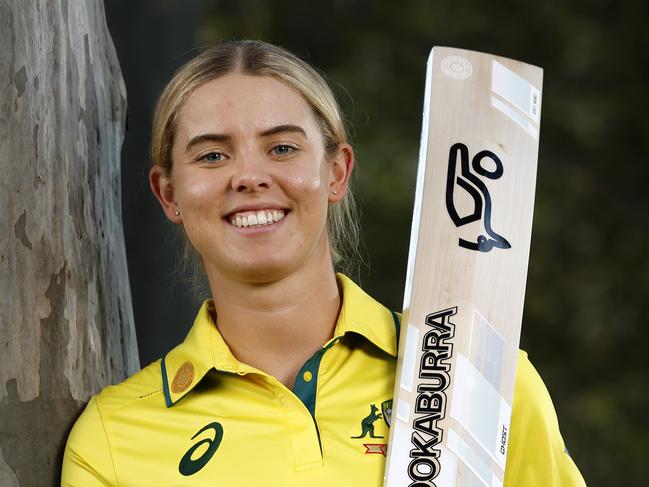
column 587, row 305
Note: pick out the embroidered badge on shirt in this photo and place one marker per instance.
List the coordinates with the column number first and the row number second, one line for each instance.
column 183, row 378
column 376, row 448
column 386, row 409
column 367, row 423
column 367, row 428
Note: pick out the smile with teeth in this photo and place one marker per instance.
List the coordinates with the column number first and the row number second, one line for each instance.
column 256, row 218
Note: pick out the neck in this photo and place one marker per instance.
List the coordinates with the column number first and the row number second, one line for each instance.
column 277, row 326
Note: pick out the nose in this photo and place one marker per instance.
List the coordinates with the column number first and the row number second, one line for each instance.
column 251, row 175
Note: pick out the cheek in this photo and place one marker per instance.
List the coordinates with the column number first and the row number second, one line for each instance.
column 309, row 186
column 312, row 178
column 197, row 192
column 307, row 182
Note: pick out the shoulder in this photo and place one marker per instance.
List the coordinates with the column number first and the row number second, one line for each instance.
column 144, row 384
column 537, row 455
column 530, row 392
column 88, row 458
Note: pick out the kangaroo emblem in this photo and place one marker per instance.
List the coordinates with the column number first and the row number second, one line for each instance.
column 367, row 424
column 478, row 191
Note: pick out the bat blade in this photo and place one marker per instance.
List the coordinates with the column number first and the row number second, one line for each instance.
column 467, row 267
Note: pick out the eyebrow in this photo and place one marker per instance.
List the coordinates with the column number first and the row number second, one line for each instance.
column 206, row 138
column 283, row 128
column 278, row 129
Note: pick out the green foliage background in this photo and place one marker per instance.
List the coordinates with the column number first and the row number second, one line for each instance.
column 586, row 306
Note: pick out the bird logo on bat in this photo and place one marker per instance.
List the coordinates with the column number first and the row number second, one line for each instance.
column 474, row 186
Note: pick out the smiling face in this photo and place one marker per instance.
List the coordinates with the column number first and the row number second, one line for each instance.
column 251, row 179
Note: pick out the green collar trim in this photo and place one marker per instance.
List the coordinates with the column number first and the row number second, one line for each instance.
column 305, row 390
column 397, row 326
column 165, row 384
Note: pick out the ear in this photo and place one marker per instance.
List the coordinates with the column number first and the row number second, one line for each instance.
column 163, row 189
column 340, row 173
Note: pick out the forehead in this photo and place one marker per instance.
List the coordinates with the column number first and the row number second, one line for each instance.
column 238, row 103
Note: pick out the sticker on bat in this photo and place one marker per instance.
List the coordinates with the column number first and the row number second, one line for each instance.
column 430, row 402
column 477, row 190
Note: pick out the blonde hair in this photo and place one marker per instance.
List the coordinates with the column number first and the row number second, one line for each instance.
column 262, row 59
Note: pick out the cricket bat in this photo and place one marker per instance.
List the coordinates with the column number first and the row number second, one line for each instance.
column 467, row 268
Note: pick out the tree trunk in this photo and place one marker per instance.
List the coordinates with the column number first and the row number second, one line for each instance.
column 66, row 326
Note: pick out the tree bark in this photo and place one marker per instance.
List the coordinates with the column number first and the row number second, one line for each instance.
column 66, row 323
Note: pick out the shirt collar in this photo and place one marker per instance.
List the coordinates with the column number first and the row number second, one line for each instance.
column 204, row 348
column 362, row 314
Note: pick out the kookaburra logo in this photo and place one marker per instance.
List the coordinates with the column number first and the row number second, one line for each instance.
column 478, row 192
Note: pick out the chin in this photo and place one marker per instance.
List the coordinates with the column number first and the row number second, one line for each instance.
column 260, row 269
column 261, row 274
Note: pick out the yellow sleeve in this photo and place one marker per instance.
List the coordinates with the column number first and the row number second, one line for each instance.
column 87, row 461
column 537, row 456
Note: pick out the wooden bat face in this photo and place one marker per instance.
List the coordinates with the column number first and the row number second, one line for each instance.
column 467, row 268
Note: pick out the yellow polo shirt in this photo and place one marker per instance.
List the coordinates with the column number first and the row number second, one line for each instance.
column 200, row 417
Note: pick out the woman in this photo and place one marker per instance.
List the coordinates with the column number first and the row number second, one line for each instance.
column 281, row 379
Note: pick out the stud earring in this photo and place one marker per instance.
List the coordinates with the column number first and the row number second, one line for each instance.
column 335, row 192
column 177, row 212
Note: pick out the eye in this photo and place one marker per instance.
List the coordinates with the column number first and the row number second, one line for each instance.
column 212, row 157
column 283, row 150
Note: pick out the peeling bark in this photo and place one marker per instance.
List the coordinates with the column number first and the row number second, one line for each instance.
column 66, row 325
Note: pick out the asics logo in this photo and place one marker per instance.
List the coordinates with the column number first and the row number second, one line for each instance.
column 189, row 465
